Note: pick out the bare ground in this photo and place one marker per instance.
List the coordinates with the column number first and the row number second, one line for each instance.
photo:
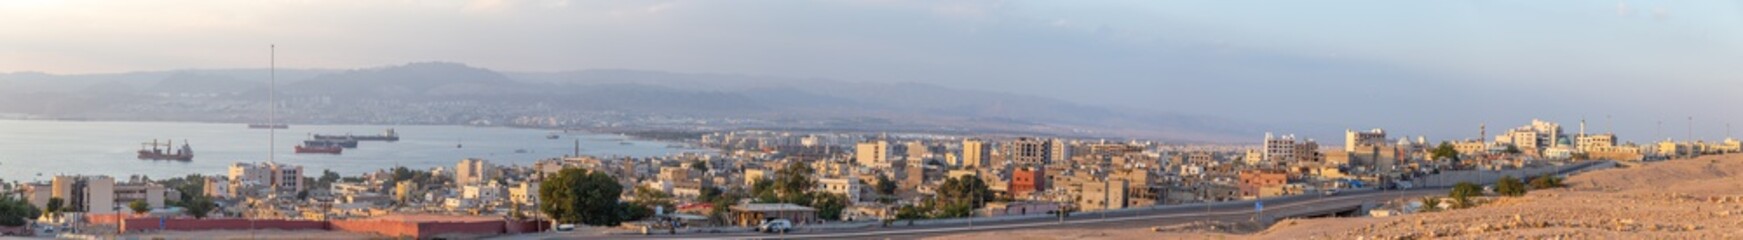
column 1698, row 198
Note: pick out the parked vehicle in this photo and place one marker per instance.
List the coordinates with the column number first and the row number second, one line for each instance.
column 565, row 227
column 776, row 226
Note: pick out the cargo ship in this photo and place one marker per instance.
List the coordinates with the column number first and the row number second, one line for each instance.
column 321, row 147
column 166, row 151
column 345, row 143
column 390, row 136
column 268, row 126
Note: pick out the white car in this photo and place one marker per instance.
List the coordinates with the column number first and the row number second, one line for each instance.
column 774, row 226
column 565, row 227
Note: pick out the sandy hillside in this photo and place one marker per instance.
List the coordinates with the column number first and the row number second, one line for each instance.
column 1683, row 199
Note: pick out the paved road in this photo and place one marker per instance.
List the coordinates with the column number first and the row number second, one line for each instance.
column 1176, row 214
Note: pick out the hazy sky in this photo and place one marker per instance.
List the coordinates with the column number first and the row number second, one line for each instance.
column 1312, row 67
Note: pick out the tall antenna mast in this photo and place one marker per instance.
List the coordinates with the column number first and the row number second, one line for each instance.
column 272, row 103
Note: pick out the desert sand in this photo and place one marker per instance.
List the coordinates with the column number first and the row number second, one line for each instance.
column 1699, row 198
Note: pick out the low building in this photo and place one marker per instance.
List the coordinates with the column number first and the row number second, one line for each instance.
column 849, row 187
column 995, row 209
column 1102, row 195
column 752, row 214
column 150, row 193
column 1255, row 181
column 1027, row 181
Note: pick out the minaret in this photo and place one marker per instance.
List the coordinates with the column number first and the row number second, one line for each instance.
column 1482, row 132
column 1582, row 127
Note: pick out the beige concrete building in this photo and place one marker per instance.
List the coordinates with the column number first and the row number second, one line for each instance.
column 278, row 176
column 1354, row 139
column 975, row 153
column 872, row 153
column 151, row 193
column 1103, row 195
column 1596, row 142
column 1029, row 151
column 849, row 186
column 1289, row 150
column 88, row 194
column 473, row 171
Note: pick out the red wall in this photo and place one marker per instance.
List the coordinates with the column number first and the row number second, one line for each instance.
column 152, row 224
column 385, row 228
column 388, row 228
column 460, row 228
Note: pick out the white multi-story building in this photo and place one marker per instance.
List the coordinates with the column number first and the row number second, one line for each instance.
column 848, row 186
column 1534, row 138
column 1354, row 139
column 1287, row 149
column 483, row 192
column 281, row 177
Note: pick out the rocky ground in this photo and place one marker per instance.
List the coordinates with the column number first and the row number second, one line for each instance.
column 1698, row 198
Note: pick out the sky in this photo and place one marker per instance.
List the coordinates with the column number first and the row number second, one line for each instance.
column 1436, row 68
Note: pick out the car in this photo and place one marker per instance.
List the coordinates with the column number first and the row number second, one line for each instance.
column 566, row 227
column 776, row 226
column 1331, row 192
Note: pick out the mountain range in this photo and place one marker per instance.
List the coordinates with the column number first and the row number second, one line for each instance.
column 631, row 91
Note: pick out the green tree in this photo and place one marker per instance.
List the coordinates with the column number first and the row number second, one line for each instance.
column 966, row 189
column 721, row 207
column 793, row 181
column 1509, row 186
column 190, row 185
column 709, row 194
column 646, row 199
column 764, row 191
column 1430, row 204
column 199, row 206
column 829, row 206
column 328, row 176
column 16, row 212
column 885, row 186
column 55, row 206
column 1511, row 149
column 699, row 165
column 576, row 195
column 1447, row 151
column 1545, row 182
column 910, row 212
column 139, row 206
column 1462, row 193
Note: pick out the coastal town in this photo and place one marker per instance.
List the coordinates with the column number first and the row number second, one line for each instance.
column 817, row 182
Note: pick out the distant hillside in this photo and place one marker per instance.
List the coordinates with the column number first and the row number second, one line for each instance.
column 851, row 105
column 416, row 80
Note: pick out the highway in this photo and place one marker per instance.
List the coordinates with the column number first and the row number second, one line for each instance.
column 1141, row 217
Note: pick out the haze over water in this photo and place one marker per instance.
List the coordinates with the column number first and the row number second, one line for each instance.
column 108, row 148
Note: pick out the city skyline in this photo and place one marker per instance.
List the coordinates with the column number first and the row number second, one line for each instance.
column 1441, row 67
